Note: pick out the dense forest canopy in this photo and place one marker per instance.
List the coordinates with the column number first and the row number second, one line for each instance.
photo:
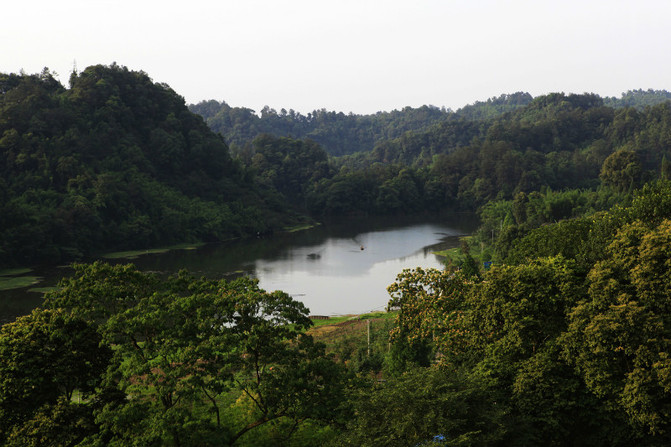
column 639, row 98
column 555, row 142
column 568, row 331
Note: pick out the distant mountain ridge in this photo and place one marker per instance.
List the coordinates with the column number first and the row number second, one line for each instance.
column 339, row 133
column 343, row 134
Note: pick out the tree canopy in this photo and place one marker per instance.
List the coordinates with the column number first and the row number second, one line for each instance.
column 570, row 344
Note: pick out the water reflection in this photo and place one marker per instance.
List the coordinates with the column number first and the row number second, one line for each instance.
column 338, row 277
column 325, row 267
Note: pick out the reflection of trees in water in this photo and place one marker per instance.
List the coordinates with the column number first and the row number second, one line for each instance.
column 232, row 259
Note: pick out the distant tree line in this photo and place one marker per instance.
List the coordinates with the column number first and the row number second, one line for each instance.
column 342, row 134
column 339, row 133
column 555, row 142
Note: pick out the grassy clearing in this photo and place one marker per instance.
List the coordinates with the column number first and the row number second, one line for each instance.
column 8, row 283
column 332, row 321
column 42, row 289
column 335, row 325
column 455, row 256
column 357, row 340
column 379, row 315
column 451, row 254
column 132, row 254
column 300, row 227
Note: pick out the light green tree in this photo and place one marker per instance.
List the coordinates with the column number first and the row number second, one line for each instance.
column 619, row 337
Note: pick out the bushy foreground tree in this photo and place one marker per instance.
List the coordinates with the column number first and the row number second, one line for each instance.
column 571, row 347
column 46, row 357
column 181, row 362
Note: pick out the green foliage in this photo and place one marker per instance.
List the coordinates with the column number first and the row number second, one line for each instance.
column 288, row 165
column 451, row 405
column 46, row 356
column 119, row 162
column 61, row 424
column 570, row 238
column 563, row 342
column 554, row 142
column 621, row 170
column 431, row 306
column 495, row 106
column 486, row 151
column 586, row 238
column 518, row 309
column 183, row 346
column 619, row 335
column 639, row 98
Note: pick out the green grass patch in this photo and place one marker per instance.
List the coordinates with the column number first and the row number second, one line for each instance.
column 15, row 272
column 300, row 227
column 456, row 257
column 187, row 246
column 451, row 254
column 18, row 282
column 42, row 289
column 132, row 254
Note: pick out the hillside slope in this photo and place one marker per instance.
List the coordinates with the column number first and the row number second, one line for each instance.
column 116, row 161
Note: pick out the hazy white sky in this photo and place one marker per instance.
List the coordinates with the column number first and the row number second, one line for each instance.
column 350, row 55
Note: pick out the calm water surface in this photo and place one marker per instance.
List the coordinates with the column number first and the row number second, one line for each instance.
column 325, row 267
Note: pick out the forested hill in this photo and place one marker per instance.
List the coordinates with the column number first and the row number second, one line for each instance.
column 116, row 161
column 337, row 132
column 340, row 133
column 639, row 99
column 556, row 142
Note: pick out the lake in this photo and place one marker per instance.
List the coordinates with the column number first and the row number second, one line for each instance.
column 336, row 268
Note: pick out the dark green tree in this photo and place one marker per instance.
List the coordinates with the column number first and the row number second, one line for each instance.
column 46, row 357
column 621, row 170
column 424, row 404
